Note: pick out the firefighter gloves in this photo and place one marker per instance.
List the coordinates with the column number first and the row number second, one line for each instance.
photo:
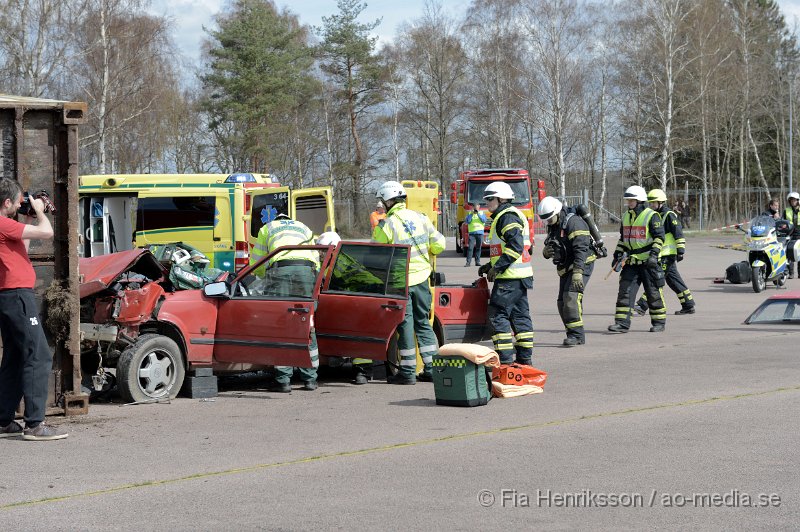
column 577, row 280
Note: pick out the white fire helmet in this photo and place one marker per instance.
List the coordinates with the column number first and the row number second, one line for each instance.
column 635, row 192
column 549, row 208
column 328, row 238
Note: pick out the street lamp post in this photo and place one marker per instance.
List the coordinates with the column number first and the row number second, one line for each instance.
column 791, row 185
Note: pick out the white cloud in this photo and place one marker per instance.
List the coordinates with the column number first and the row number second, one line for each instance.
column 791, row 11
column 189, row 17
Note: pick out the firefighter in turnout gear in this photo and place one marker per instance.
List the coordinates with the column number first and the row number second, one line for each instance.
column 792, row 213
column 569, row 245
column 641, row 238
column 672, row 252
column 404, row 226
column 510, row 269
column 287, row 274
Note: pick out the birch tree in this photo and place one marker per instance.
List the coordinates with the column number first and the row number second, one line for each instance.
column 557, row 33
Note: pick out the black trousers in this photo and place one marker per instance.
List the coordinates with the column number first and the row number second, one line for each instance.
column 27, row 360
column 570, row 303
column 630, row 278
column 790, row 258
column 675, row 282
column 510, row 316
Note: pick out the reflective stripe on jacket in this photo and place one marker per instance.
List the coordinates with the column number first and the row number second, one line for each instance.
column 636, row 235
column 476, row 223
column 669, row 247
column 404, row 226
column 283, row 232
column 794, row 218
column 521, row 266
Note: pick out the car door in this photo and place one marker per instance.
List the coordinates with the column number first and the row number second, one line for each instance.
column 259, row 325
column 265, row 204
column 363, row 300
column 313, row 207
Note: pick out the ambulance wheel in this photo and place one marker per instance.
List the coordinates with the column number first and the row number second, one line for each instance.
column 759, row 279
column 151, row 368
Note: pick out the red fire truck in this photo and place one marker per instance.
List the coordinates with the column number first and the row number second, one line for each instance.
column 469, row 188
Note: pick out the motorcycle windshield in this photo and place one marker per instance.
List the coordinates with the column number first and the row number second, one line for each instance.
column 761, row 225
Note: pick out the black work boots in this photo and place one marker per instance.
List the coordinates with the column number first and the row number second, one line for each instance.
column 571, row 341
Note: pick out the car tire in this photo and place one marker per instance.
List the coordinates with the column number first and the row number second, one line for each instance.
column 152, row 368
column 392, row 364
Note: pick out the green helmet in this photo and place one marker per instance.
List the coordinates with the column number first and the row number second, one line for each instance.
column 657, row 195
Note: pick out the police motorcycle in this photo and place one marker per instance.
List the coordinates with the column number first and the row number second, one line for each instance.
column 766, row 241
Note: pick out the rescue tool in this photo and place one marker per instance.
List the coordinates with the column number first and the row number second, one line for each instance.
column 617, row 266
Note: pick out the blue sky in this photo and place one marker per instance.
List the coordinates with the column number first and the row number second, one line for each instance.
column 189, row 16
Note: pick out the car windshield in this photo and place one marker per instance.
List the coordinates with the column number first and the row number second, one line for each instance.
column 761, row 225
column 777, row 311
column 521, row 189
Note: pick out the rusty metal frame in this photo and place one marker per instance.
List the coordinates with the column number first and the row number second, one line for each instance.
column 62, row 138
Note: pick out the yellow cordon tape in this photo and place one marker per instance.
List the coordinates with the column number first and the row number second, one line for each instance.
column 391, row 447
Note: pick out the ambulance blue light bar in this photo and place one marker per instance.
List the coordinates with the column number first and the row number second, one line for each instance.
column 241, row 178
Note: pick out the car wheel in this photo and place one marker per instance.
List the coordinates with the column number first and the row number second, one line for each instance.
column 152, row 368
column 392, row 364
column 759, row 279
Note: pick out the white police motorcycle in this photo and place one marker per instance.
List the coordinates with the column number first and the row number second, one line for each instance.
column 766, row 244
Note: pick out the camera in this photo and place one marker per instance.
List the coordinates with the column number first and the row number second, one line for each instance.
column 26, row 209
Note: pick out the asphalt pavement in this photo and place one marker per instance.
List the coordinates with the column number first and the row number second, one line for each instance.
column 694, row 427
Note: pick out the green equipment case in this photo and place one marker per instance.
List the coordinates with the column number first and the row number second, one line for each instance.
column 459, row 382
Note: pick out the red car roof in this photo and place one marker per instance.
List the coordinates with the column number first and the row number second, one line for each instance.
column 790, row 294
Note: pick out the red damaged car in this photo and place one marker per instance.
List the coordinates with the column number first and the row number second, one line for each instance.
column 133, row 320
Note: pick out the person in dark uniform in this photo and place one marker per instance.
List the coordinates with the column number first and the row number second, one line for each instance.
column 641, row 238
column 672, row 252
column 510, row 270
column 792, row 213
column 569, row 245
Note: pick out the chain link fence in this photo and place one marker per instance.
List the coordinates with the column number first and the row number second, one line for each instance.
column 697, row 210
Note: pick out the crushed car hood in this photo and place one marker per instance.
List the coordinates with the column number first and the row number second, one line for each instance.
column 98, row 273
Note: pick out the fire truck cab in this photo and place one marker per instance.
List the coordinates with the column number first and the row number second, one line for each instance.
column 467, row 191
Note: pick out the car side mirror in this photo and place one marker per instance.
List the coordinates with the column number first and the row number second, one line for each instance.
column 215, row 289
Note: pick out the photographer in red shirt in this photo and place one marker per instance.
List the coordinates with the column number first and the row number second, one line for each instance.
column 27, row 360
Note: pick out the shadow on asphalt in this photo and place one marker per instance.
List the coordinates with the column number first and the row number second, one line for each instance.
column 422, row 401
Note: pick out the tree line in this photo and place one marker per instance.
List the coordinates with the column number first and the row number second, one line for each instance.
column 585, row 95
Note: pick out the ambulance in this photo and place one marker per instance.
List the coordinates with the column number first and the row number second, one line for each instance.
column 211, row 212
